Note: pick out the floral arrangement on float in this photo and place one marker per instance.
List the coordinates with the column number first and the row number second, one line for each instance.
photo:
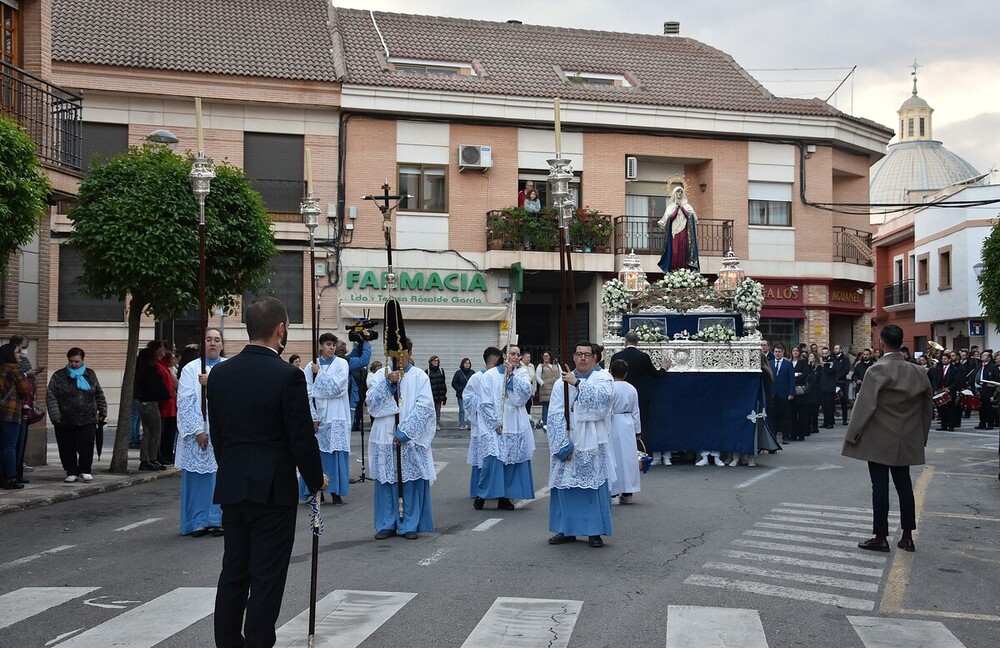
column 749, row 297
column 715, row 333
column 647, row 333
column 682, row 290
column 614, row 298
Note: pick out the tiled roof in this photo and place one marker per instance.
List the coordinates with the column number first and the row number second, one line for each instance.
column 283, row 39
column 522, row 60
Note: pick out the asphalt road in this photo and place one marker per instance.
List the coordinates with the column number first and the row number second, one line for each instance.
column 773, row 545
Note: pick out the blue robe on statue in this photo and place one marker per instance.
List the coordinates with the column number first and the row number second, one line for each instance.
column 198, row 467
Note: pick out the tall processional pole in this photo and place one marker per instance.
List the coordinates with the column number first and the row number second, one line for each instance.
column 201, row 179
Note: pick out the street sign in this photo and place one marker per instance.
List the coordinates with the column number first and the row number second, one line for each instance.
column 977, row 327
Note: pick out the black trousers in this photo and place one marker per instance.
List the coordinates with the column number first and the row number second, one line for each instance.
column 168, row 436
column 800, row 416
column 258, row 546
column 843, row 401
column 880, row 497
column 829, row 411
column 781, row 417
column 76, row 447
column 987, row 413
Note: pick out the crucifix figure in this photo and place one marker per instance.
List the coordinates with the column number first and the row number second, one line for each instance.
column 382, row 202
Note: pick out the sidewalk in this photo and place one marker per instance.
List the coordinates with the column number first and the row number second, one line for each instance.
column 46, row 485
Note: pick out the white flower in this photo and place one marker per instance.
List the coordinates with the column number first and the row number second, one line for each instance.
column 715, row 333
column 614, row 298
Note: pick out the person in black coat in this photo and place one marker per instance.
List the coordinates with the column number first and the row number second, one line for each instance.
column 947, row 377
column 813, row 394
column 640, row 370
column 800, row 406
column 828, row 372
column 986, row 370
column 262, row 431
column 843, row 368
column 439, row 386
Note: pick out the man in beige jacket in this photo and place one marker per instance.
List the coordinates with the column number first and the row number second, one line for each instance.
column 888, row 429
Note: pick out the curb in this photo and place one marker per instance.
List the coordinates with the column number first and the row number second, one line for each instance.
column 118, row 483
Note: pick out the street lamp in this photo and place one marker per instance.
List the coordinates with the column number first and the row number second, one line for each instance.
column 978, row 269
column 164, row 137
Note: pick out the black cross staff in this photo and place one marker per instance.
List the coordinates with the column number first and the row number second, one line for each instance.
column 382, row 202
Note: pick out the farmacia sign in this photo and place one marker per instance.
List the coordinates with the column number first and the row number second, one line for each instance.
column 427, row 287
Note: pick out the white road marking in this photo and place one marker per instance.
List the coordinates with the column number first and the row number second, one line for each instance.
column 792, row 527
column 439, row 466
column 903, row 633
column 344, row 618
column 826, row 553
column 767, row 589
column 812, row 579
column 487, row 524
column 774, row 471
column 135, row 525
column 821, row 522
column 794, row 537
column 827, row 507
column 811, row 564
column 435, row 557
column 52, row 642
column 525, row 623
column 29, row 601
column 711, row 627
column 150, row 623
column 824, row 514
column 541, row 493
column 28, row 559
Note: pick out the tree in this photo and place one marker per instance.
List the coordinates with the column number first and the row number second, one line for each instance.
column 136, row 226
column 989, row 278
column 24, row 189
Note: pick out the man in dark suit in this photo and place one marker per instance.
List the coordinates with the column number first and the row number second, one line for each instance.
column 946, row 376
column 827, row 387
column 783, row 395
column 986, row 371
column 843, row 368
column 261, row 430
column 892, row 416
column 640, row 369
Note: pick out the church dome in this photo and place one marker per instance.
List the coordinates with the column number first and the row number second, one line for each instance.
column 917, row 166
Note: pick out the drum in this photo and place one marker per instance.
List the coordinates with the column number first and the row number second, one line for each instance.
column 970, row 401
column 941, row 398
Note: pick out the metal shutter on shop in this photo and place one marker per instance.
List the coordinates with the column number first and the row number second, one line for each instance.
column 451, row 341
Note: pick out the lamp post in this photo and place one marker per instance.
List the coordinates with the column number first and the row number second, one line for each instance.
column 309, row 208
column 165, row 137
column 201, row 180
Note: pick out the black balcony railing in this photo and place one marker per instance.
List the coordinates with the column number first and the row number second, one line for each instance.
column 852, row 246
column 281, row 197
column 642, row 234
column 51, row 115
column 898, row 293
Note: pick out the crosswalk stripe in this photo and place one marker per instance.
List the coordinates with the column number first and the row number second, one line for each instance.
column 539, row 494
column 150, row 623
column 812, row 579
column 344, row 618
column 824, row 515
column 821, row 522
column 27, row 559
column 811, row 564
column 792, row 527
column 903, row 633
column 439, row 466
column 29, row 601
column 712, row 627
column 830, row 507
column 487, row 524
column 525, row 623
column 795, row 537
column 826, row 553
column 767, row 589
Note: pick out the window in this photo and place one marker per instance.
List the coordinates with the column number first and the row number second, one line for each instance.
column 102, row 142
column 909, row 127
column 285, row 283
column 440, row 68
column 897, row 270
column 921, row 126
column 944, row 268
column 428, row 184
column 542, row 187
column 11, row 39
column 598, row 78
column 274, row 163
column 770, row 203
column 923, row 282
column 74, row 306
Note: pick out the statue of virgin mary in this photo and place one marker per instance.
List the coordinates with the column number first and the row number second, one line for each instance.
column 680, row 221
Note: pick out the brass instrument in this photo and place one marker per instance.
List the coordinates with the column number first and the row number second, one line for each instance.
column 933, row 351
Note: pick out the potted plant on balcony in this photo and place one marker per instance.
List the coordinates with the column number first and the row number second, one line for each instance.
column 590, row 229
column 541, row 229
column 505, row 228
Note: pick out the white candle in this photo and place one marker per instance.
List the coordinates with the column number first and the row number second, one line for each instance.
column 309, row 173
column 558, row 130
column 197, row 123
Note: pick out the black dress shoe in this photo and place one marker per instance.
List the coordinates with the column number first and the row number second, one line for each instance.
column 942, row 429
column 785, row 439
column 145, row 465
column 559, row 539
column 906, row 545
column 874, row 544
column 157, row 465
column 412, row 535
column 505, row 504
column 337, row 500
column 595, row 541
column 217, row 532
column 199, row 533
column 478, row 503
column 385, row 533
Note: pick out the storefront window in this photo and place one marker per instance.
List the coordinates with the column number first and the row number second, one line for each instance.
column 785, row 331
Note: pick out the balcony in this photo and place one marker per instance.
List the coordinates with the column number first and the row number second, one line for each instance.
column 514, row 229
column 852, row 246
column 642, row 234
column 50, row 115
column 281, row 198
column 899, row 295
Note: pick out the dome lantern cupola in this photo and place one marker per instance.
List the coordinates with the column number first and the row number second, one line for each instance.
column 915, row 116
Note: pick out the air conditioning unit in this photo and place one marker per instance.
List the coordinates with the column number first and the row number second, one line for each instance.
column 475, row 156
column 631, row 167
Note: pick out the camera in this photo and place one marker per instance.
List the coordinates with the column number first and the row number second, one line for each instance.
column 362, row 330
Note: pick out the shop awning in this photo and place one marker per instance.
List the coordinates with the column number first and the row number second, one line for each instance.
column 782, row 313
column 471, row 312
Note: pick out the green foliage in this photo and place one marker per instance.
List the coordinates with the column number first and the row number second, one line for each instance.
column 136, row 225
column 23, row 189
column 989, row 279
column 591, row 228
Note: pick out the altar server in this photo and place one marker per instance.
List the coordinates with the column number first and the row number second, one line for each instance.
column 480, row 445
column 194, row 453
column 581, row 463
column 625, row 430
column 406, row 393
column 329, row 403
column 505, row 441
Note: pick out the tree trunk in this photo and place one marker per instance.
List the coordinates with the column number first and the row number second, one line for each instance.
column 119, row 459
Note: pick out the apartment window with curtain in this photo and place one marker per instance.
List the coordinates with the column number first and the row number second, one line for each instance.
column 944, row 268
column 770, row 203
column 427, row 183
